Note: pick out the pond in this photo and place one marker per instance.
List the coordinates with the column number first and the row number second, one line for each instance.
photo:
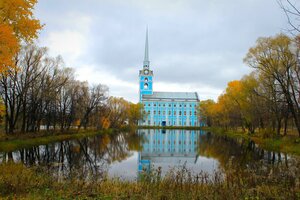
column 126, row 155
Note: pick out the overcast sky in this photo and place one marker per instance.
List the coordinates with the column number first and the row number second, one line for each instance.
column 194, row 45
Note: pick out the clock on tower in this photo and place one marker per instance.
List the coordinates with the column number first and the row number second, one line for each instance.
column 146, row 74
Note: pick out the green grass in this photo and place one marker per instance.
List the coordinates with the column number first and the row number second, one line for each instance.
column 22, row 141
column 284, row 144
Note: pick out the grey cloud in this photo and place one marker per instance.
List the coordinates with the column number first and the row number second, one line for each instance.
column 191, row 42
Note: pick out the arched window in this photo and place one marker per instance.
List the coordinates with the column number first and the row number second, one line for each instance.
column 146, row 86
column 146, row 79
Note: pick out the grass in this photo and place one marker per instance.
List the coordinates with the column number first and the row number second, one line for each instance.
column 285, row 144
column 19, row 182
column 23, row 141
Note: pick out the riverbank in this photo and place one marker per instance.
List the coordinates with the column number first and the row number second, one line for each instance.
column 285, row 144
column 19, row 182
column 13, row 142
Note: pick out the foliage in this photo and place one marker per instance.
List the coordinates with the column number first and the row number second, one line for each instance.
column 121, row 112
column 17, row 25
column 267, row 99
column 8, row 47
column 118, row 111
column 205, row 108
column 135, row 113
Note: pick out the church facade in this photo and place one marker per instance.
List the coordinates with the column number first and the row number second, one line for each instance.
column 165, row 108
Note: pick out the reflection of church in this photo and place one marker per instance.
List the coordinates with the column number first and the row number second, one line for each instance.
column 168, row 146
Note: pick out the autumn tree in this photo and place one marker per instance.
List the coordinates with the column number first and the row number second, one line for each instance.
column 118, row 111
column 205, row 111
column 274, row 59
column 95, row 97
column 135, row 113
column 17, row 25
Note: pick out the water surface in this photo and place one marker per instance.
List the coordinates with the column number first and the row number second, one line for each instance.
column 125, row 155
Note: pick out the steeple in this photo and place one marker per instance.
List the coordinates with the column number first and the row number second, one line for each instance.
column 146, row 75
column 146, row 62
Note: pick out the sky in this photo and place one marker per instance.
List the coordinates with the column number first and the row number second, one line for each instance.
column 194, row 45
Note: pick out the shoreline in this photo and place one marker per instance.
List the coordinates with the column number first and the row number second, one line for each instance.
column 11, row 143
column 285, row 144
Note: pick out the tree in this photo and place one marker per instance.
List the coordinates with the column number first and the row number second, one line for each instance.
column 8, row 47
column 292, row 13
column 18, row 14
column 118, row 110
column 17, row 25
column 205, row 110
column 274, row 59
column 135, row 113
column 2, row 111
column 94, row 97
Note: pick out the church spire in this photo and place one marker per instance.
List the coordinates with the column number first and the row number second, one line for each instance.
column 146, row 57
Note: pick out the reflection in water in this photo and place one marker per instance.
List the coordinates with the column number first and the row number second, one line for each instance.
column 125, row 155
column 85, row 158
column 169, row 148
column 239, row 153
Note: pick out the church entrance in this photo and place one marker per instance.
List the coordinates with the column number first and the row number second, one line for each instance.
column 163, row 123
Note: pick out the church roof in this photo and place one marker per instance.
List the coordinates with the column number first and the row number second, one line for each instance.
column 173, row 95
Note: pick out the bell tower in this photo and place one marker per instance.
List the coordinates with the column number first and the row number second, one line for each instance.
column 146, row 75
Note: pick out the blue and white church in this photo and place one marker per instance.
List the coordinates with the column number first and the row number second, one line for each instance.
column 165, row 108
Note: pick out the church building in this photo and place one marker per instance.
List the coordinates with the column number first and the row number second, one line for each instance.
column 165, row 108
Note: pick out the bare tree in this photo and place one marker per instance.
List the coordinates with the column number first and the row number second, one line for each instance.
column 94, row 97
column 292, row 12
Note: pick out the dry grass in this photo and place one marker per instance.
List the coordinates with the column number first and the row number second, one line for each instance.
column 18, row 182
